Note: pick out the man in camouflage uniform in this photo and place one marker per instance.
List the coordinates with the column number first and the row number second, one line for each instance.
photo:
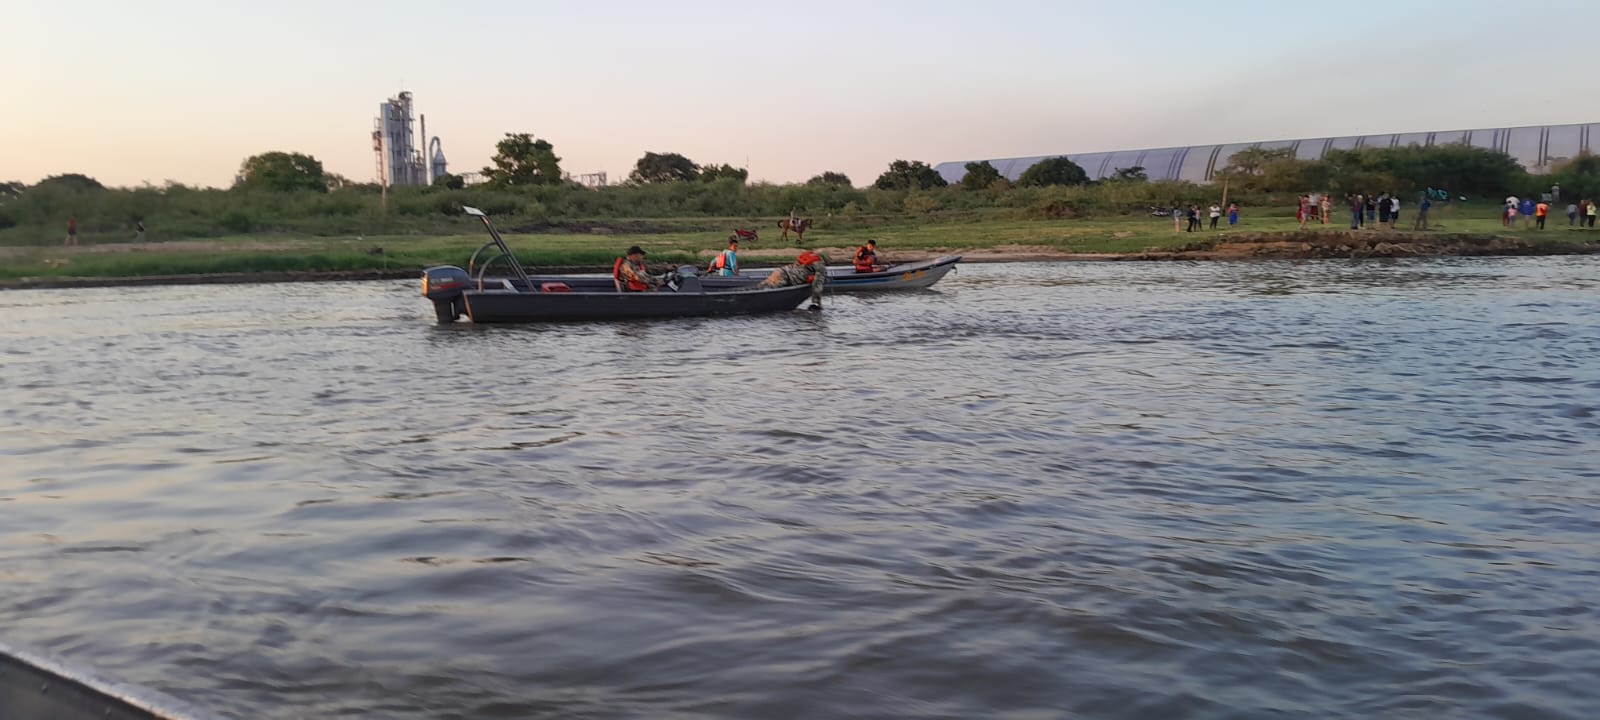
column 808, row 268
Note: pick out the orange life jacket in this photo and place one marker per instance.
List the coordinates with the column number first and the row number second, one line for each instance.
column 866, row 259
column 632, row 284
column 719, row 262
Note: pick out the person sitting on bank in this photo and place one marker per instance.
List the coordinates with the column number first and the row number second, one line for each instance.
column 630, row 275
column 867, row 258
column 726, row 263
column 809, row 267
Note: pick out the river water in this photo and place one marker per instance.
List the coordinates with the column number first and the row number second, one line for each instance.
column 1315, row 489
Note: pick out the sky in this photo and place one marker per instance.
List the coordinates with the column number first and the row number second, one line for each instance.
column 159, row 90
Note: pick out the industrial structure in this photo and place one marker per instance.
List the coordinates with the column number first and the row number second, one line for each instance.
column 1535, row 147
column 400, row 158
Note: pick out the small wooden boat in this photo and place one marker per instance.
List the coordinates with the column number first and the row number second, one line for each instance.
column 905, row 276
column 522, row 298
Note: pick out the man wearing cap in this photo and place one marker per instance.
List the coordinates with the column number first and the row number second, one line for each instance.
column 808, row 268
column 726, row 263
column 630, row 275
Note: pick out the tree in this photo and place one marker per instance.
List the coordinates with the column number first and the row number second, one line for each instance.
column 282, row 172
column 11, row 190
column 836, row 179
column 1271, row 170
column 713, row 173
column 335, row 181
column 1578, row 177
column 663, row 167
column 1054, row 171
column 449, row 182
column 980, row 175
column 909, row 175
column 520, row 160
column 1130, row 174
column 72, row 182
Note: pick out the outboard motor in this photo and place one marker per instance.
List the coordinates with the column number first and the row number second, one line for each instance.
column 443, row 284
column 686, row 279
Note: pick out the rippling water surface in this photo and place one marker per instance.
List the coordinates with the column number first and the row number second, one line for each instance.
column 1101, row 490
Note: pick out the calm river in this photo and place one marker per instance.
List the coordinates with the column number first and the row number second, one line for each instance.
column 1117, row 490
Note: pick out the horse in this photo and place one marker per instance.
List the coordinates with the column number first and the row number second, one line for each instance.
column 798, row 228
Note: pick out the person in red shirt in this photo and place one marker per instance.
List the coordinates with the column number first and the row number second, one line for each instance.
column 72, row 231
column 1539, row 213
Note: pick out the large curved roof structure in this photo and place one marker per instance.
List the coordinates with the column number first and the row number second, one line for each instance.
column 1535, row 146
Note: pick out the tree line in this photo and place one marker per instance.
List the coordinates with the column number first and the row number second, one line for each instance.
column 292, row 192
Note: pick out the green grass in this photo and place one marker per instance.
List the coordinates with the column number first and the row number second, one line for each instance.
column 675, row 242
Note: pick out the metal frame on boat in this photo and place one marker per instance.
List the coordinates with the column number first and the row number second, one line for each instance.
column 456, row 292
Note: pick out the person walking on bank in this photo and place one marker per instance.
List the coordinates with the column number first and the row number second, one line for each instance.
column 1357, row 208
column 1539, row 212
column 1326, row 207
column 1591, row 212
column 1383, row 209
column 1233, row 215
column 1394, row 211
column 72, row 231
column 1526, row 210
column 1177, row 217
column 1216, row 214
column 1572, row 214
column 1422, row 213
column 1193, row 214
column 138, row 231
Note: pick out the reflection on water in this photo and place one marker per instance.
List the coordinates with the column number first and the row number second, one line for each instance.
column 1313, row 489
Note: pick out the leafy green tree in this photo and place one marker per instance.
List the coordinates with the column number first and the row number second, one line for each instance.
column 1054, row 171
column 1130, row 174
column 836, row 179
column 980, row 175
column 449, row 182
column 71, row 182
column 1578, row 177
column 522, row 160
column 909, row 175
column 282, row 172
column 10, row 190
column 713, row 173
column 663, row 167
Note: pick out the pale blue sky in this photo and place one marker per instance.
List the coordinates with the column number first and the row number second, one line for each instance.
column 184, row 90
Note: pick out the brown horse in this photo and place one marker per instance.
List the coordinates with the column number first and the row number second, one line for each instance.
column 799, row 229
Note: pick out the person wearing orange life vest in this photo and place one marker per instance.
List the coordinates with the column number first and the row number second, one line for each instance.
column 809, row 267
column 726, row 263
column 630, row 275
column 867, row 258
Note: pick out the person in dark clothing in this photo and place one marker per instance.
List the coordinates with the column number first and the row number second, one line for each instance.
column 1193, row 214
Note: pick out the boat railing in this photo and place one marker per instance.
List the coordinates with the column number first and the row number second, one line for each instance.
column 499, row 244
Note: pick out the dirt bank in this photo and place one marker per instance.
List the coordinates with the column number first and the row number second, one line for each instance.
column 1246, row 246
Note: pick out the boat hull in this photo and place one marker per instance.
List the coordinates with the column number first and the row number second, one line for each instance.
column 907, row 276
column 510, row 306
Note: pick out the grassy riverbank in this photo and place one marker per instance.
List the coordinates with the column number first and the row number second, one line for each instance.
column 593, row 245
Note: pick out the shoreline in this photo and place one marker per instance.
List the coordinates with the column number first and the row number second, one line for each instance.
column 1292, row 245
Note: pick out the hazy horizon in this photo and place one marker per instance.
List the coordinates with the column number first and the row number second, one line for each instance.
column 187, row 90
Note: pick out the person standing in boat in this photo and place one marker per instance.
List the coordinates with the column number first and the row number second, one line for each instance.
column 809, row 267
column 726, row 263
column 630, row 275
column 867, row 258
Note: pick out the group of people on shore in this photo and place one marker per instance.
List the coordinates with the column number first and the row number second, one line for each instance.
column 1535, row 213
column 1192, row 214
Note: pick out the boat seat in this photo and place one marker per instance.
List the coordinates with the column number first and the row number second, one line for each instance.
column 689, row 283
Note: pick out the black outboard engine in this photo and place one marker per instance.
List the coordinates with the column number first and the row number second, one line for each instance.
column 443, row 285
